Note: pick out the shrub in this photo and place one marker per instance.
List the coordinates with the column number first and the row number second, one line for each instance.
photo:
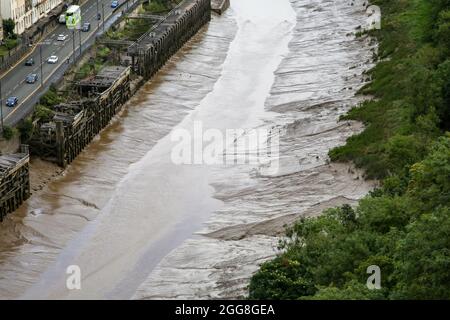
column 8, row 132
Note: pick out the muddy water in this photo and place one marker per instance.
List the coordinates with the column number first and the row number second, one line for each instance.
column 140, row 226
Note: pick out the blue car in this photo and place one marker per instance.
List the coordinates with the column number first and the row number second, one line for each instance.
column 12, row 101
column 31, row 78
column 114, row 4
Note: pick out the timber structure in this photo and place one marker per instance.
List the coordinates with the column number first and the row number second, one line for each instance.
column 152, row 50
column 99, row 98
column 75, row 124
column 14, row 181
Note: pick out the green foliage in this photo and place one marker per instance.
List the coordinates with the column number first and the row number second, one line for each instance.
column 412, row 89
column 10, row 43
column 157, row 6
column 8, row 28
column 50, row 98
column 25, row 128
column 403, row 226
column 43, row 113
column 405, row 235
column 8, row 132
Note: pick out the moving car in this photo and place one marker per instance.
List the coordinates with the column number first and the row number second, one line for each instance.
column 114, row 4
column 31, row 78
column 61, row 37
column 29, row 62
column 52, row 59
column 86, row 27
column 12, row 101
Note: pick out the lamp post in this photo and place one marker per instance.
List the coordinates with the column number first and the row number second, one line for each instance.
column 73, row 42
column 1, row 104
column 40, row 63
column 103, row 16
column 98, row 20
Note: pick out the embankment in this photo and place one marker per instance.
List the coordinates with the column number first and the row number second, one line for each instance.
column 300, row 85
column 401, row 229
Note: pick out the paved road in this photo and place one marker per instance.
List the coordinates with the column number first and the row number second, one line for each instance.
column 13, row 82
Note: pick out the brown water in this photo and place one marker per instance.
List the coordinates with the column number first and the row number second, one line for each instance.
column 126, row 214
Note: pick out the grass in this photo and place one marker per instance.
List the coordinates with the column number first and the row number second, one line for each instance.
column 399, row 108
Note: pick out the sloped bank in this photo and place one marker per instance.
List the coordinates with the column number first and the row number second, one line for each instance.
column 321, row 69
column 398, row 234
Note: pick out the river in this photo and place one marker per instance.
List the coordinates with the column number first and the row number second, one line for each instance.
column 141, row 226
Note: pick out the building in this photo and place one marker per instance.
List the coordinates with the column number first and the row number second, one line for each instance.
column 26, row 12
column 1, row 25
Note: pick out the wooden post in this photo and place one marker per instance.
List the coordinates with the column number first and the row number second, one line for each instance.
column 60, row 144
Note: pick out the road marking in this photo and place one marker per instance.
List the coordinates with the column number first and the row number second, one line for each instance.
column 32, row 50
column 52, row 72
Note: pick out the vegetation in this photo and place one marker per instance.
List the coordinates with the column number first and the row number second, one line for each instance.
column 10, row 40
column 8, row 29
column 402, row 227
column 25, row 128
column 43, row 113
column 50, row 98
column 101, row 57
column 8, row 132
column 134, row 28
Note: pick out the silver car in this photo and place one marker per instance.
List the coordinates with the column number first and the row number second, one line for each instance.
column 61, row 37
column 52, row 59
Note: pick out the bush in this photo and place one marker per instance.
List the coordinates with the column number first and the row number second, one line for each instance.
column 405, row 235
column 43, row 113
column 8, row 132
column 50, row 98
column 403, row 226
column 25, row 128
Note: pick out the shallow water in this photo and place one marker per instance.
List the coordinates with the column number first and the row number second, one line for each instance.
column 127, row 215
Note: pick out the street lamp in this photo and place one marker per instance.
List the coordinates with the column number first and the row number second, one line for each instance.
column 1, row 104
column 73, row 42
column 40, row 60
column 103, row 16
column 98, row 20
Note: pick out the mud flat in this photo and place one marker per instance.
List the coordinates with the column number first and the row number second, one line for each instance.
column 316, row 81
column 37, row 242
column 126, row 214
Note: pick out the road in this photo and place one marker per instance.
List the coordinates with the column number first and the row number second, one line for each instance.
column 13, row 81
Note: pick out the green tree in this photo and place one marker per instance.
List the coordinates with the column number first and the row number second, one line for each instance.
column 8, row 28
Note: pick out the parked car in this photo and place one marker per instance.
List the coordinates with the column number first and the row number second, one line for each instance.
column 114, row 4
column 61, row 37
column 31, row 78
column 52, row 59
column 62, row 19
column 86, row 27
column 12, row 101
column 29, row 62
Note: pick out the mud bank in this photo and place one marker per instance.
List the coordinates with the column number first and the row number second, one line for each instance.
column 37, row 241
column 126, row 214
column 314, row 84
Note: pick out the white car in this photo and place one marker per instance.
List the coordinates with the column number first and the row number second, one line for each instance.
column 52, row 59
column 61, row 37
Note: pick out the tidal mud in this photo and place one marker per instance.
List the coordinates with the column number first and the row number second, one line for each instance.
column 313, row 85
column 140, row 226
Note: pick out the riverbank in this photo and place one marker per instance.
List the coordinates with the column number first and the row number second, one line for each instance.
column 314, row 81
column 50, row 229
column 401, row 228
